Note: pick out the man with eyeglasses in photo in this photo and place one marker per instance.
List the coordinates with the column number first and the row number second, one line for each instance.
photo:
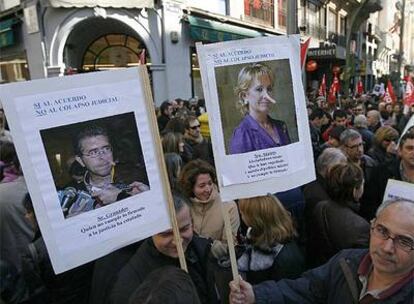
column 195, row 143
column 384, row 273
column 100, row 185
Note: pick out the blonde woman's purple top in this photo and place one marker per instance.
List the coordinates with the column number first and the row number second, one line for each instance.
column 250, row 136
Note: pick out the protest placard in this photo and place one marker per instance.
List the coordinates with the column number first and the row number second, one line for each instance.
column 398, row 190
column 257, row 115
column 90, row 154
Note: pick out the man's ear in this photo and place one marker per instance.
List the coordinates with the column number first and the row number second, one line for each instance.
column 79, row 160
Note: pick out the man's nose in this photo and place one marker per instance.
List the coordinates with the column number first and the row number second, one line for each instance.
column 388, row 246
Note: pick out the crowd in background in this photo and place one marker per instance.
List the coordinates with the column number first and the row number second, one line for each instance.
column 357, row 148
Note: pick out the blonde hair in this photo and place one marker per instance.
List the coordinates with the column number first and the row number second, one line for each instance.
column 245, row 79
column 270, row 222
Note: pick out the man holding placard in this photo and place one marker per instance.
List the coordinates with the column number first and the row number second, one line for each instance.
column 160, row 251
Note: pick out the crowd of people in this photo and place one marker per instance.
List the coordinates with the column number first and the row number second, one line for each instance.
column 329, row 241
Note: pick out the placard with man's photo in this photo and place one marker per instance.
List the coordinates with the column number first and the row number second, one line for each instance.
column 90, row 156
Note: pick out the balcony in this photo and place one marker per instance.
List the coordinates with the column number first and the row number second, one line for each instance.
column 339, row 40
column 259, row 12
column 314, row 30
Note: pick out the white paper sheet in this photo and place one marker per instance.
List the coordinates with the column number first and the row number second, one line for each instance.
column 42, row 112
column 266, row 170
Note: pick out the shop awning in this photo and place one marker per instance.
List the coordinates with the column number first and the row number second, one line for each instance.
column 101, row 3
column 6, row 32
column 207, row 30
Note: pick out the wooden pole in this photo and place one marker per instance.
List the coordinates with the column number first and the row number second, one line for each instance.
column 160, row 155
column 230, row 243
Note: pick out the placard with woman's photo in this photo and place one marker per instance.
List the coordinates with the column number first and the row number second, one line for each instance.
column 257, row 113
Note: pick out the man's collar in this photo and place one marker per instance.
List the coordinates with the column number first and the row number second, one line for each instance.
column 364, row 270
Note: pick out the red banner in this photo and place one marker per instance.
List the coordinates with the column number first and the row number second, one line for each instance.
column 389, row 96
column 409, row 92
column 303, row 52
column 322, row 87
column 360, row 88
column 333, row 90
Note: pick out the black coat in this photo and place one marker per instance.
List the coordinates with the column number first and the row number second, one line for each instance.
column 336, row 226
column 375, row 187
column 147, row 258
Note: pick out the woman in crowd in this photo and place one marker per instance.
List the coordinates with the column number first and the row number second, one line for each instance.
column 385, row 145
column 174, row 143
column 270, row 251
column 257, row 130
column 173, row 162
column 198, row 182
column 336, row 223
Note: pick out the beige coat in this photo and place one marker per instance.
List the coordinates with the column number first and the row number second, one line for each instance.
column 207, row 217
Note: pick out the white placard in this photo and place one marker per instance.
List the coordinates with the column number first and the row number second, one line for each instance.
column 249, row 159
column 46, row 116
column 398, row 190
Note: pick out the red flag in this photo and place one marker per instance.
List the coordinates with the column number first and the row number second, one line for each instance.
column 142, row 58
column 333, row 90
column 389, row 96
column 360, row 88
column 322, row 87
column 303, row 51
column 409, row 92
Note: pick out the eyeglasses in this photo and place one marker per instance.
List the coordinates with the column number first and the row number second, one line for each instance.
column 402, row 242
column 98, row 151
column 195, row 127
column 361, row 144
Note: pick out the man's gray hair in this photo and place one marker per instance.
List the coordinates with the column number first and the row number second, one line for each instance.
column 347, row 135
column 374, row 113
column 387, row 203
column 360, row 121
column 329, row 158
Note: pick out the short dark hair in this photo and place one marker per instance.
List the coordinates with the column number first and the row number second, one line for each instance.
column 317, row 113
column 407, row 135
column 89, row 131
column 179, row 201
column 164, row 106
column 339, row 113
column 167, row 285
column 189, row 119
column 342, row 179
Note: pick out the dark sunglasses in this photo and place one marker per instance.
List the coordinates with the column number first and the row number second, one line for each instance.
column 195, row 127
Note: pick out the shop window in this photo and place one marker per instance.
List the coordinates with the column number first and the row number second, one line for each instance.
column 342, row 25
column 196, row 85
column 13, row 70
column 259, row 11
column 113, row 51
column 282, row 13
column 332, row 21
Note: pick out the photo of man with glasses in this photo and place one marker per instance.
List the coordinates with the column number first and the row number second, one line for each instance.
column 101, row 184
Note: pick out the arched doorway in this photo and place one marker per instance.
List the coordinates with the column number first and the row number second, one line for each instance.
column 113, row 51
column 101, row 44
